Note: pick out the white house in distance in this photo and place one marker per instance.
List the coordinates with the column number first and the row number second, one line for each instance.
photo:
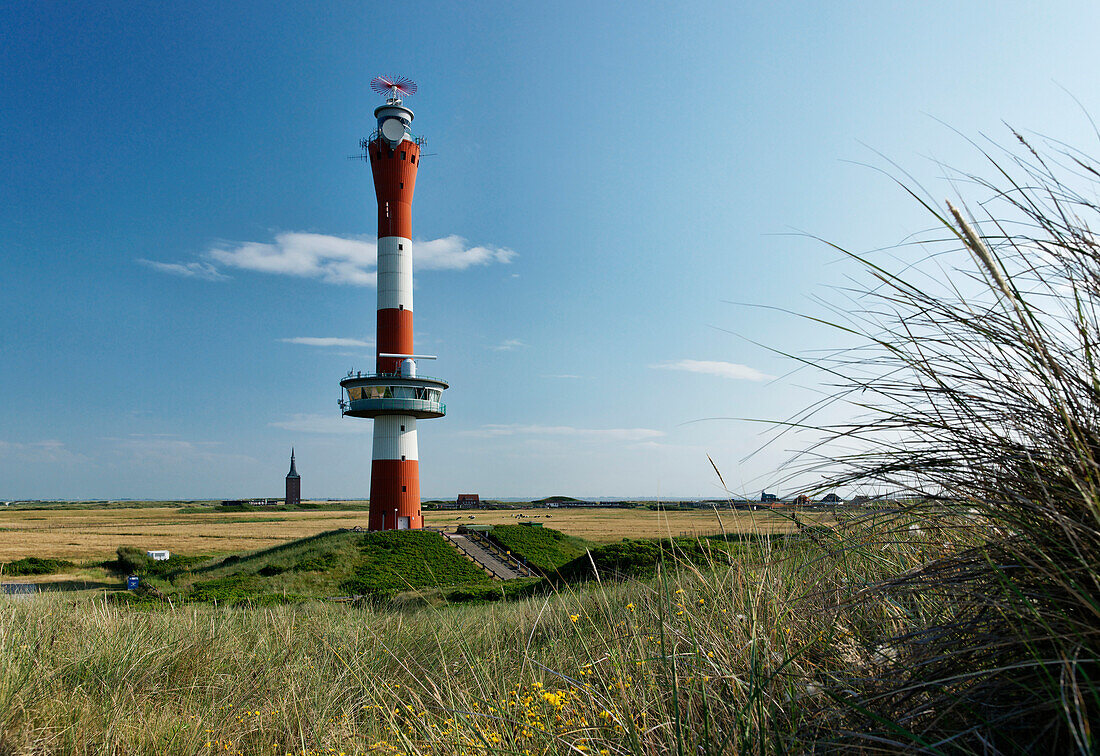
column 160, row 555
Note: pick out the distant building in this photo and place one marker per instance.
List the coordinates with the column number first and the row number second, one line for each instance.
column 831, row 498
column 293, row 484
column 765, row 497
column 802, row 500
column 158, row 555
column 468, row 501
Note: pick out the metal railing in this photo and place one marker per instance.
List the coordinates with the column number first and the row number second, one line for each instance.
column 364, row 143
column 491, row 546
column 469, row 555
column 373, row 376
column 412, row 405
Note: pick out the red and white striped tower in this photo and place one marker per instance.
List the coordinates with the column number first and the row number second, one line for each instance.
column 394, row 395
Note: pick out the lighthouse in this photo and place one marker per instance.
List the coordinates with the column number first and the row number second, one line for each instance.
column 395, row 395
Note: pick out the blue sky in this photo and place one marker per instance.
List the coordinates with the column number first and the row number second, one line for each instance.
column 187, row 249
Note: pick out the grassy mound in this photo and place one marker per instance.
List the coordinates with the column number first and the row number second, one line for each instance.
column 398, row 560
column 336, row 563
column 545, row 549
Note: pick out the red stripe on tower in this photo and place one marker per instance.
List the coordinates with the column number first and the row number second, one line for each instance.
column 395, row 488
column 394, row 170
column 395, row 336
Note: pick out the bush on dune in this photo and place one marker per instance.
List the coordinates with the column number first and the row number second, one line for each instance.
column 33, row 566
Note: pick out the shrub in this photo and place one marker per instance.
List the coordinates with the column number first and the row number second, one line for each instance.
column 131, row 561
column 34, row 566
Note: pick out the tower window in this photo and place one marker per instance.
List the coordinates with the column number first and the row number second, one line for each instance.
column 403, row 489
column 401, row 246
column 401, row 307
column 402, row 428
column 402, row 154
column 402, row 457
column 402, row 185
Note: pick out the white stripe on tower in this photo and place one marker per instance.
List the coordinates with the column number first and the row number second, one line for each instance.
column 395, row 275
column 394, row 437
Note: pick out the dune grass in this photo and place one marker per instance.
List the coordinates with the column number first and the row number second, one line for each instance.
column 724, row 656
column 978, row 391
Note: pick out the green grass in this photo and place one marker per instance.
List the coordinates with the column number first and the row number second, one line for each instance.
column 545, row 549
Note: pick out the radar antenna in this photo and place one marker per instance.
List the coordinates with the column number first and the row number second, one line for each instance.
column 393, row 87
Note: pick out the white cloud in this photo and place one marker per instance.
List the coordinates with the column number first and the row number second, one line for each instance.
column 331, row 259
column 203, row 270
column 166, row 451
column 723, row 369
column 327, row 424
column 50, row 451
column 588, row 434
column 327, row 341
column 508, row 345
column 451, row 253
column 159, row 448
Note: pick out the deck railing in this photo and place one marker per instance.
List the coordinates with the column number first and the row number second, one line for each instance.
column 412, row 405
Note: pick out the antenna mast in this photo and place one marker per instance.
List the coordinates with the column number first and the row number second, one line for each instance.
column 393, row 87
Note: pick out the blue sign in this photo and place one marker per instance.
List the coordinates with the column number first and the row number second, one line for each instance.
column 132, row 583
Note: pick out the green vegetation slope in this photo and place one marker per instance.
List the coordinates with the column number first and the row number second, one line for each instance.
column 545, row 549
column 336, row 563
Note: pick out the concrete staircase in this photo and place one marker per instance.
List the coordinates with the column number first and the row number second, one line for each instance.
column 496, row 566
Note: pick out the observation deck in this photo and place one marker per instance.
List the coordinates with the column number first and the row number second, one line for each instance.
column 374, row 394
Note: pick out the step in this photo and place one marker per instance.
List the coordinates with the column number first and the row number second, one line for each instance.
column 490, row 563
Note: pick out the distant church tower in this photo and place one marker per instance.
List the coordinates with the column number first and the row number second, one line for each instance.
column 293, row 484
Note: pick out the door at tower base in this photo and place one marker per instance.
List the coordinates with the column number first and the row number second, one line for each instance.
column 395, row 495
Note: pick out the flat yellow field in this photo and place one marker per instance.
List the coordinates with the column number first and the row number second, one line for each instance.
column 80, row 534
